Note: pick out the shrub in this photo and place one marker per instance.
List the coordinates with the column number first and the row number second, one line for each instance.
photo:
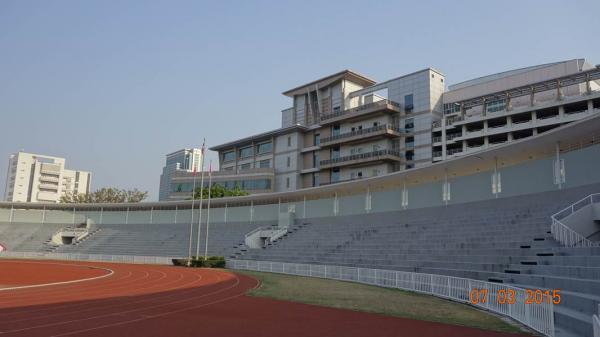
column 199, row 262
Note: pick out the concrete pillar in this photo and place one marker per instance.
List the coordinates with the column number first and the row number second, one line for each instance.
column 532, row 97
column 509, row 136
column 483, row 108
column 561, row 111
column 559, row 92
column 534, row 117
column 508, row 102
column 486, row 142
column 509, row 121
column 535, row 132
column 588, row 86
column 590, row 104
column 464, row 146
column 485, row 127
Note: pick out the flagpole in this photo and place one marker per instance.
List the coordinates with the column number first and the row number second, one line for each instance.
column 201, row 196
column 208, row 211
column 192, row 218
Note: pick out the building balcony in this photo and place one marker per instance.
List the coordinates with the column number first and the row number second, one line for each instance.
column 51, row 187
column 361, row 158
column 52, row 178
column 363, row 134
column 362, row 111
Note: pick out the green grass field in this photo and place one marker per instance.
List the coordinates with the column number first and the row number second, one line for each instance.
column 360, row 297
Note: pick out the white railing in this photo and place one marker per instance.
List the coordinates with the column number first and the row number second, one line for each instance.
column 565, row 235
column 539, row 317
column 89, row 257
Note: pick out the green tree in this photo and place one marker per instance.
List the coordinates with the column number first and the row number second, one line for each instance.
column 219, row 191
column 106, row 195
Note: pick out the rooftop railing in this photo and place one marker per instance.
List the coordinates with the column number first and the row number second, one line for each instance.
column 361, row 132
column 359, row 156
column 378, row 104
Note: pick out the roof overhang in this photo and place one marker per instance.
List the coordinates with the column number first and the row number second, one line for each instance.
column 327, row 80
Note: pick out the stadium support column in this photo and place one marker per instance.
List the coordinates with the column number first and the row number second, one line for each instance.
column 304, row 208
column 368, row 200
column 559, row 168
column 336, row 205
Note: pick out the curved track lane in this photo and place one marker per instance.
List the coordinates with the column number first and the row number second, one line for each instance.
column 149, row 300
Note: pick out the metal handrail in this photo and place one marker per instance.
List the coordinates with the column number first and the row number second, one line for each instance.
column 383, row 102
column 361, row 132
column 563, row 233
column 360, row 156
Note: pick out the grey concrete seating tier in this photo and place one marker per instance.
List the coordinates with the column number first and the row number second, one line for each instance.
column 504, row 240
column 27, row 237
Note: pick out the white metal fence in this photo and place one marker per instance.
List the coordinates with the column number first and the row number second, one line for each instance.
column 88, row 257
column 565, row 235
column 539, row 317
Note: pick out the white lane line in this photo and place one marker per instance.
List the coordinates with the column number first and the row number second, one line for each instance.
column 110, row 273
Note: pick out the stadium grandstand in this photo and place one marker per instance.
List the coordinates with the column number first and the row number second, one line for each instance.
column 524, row 213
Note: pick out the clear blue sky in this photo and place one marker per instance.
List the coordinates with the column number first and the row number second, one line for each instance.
column 115, row 85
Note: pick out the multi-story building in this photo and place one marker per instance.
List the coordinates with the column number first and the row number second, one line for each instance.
column 346, row 126
column 39, row 178
column 184, row 160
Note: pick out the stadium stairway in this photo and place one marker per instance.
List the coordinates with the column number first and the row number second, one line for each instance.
column 503, row 240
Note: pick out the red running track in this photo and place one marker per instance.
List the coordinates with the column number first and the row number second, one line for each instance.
column 163, row 301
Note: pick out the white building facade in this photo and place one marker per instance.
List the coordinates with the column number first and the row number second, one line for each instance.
column 184, row 160
column 39, row 178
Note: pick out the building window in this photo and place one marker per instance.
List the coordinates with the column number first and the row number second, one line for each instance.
column 409, row 125
column 315, row 179
column 375, row 124
column 246, row 152
column 335, row 152
column 336, row 130
column 410, row 155
column 289, row 141
column 264, row 148
column 264, row 163
column 289, row 161
column 497, row 105
column 335, row 175
column 450, row 108
column 408, row 103
column 409, row 142
column 316, row 159
column 375, row 172
column 228, row 156
column 317, row 139
column 246, row 166
column 287, row 182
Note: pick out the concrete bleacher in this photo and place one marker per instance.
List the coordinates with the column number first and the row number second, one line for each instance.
column 503, row 240
column 27, row 237
column 161, row 239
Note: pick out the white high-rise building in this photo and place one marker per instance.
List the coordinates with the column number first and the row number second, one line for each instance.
column 38, row 178
column 183, row 160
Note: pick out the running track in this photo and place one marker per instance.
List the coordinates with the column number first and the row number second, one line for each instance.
column 162, row 301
